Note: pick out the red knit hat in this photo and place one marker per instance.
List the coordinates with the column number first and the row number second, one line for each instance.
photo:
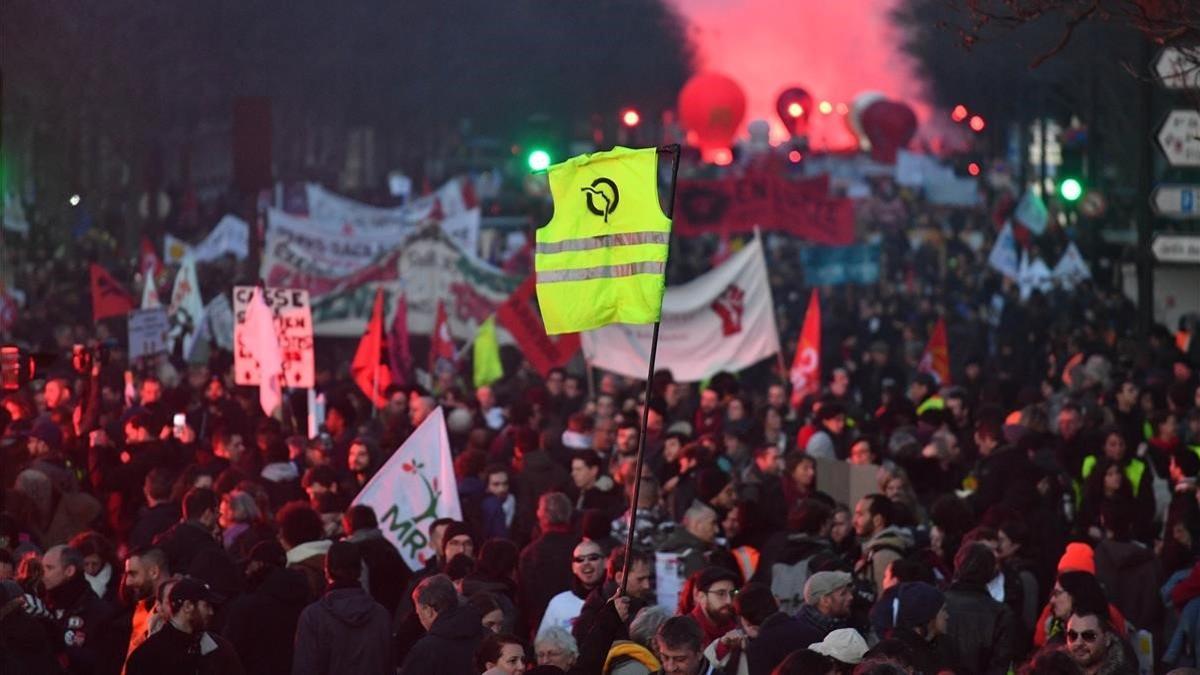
column 1078, row 557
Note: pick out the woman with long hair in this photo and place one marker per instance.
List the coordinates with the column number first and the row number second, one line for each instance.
column 1107, row 483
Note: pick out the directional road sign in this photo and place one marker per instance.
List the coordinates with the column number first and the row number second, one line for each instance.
column 1177, row 248
column 1181, row 202
column 1179, row 137
column 1178, row 68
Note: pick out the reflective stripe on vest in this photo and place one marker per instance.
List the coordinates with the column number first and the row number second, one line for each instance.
column 1134, row 471
column 602, row 258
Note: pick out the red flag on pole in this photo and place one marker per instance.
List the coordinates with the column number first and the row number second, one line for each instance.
column 518, row 316
column 399, row 354
column 109, row 297
column 369, row 370
column 936, row 359
column 806, row 367
column 441, row 347
column 149, row 262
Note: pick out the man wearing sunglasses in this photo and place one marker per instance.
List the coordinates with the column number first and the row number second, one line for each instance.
column 587, row 565
column 1094, row 646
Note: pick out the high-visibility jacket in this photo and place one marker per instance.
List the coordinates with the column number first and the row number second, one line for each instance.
column 1134, row 471
column 602, row 258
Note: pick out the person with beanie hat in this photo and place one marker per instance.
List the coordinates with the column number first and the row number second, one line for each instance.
column 919, row 619
column 259, row 621
column 1075, row 591
column 1079, row 557
column 1078, row 566
column 983, row 630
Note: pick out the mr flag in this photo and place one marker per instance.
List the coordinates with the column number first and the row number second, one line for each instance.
column 602, row 258
column 415, row 488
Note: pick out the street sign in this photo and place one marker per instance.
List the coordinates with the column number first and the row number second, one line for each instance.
column 1178, row 68
column 1177, row 248
column 1179, row 137
column 1181, row 202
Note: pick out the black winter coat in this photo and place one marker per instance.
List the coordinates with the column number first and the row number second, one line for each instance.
column 544, row 571
column 345, row 633
column 449, row 646
column 258, row 623
column 778, row 636
column 81, row 627
column 151, row 522
column 387, row 574
column 982, row 630
column 170, row 650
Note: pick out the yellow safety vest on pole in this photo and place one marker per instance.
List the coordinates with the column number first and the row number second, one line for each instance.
column 602, row 258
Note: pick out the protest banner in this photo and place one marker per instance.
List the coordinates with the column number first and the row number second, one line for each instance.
column 148, row 332
column 292, row 310
column 838, row 265
column 801, row 208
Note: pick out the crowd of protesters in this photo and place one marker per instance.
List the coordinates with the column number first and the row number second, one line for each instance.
column 1037, row 512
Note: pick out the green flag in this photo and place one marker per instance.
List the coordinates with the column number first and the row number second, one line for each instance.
column 487, row 354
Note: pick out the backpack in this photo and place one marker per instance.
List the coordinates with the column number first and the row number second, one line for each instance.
column 863, row 586
column 787, row 585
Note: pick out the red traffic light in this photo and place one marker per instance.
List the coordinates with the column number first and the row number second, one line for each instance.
column 973, row 169
column 630, row 117
column 959, row 113
column 794, row 156
column 977, row 123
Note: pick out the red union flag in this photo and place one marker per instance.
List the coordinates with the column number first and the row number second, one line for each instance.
column 936, row 359
column 806, row 366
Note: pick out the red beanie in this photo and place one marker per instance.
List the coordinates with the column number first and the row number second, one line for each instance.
column 1077, row 558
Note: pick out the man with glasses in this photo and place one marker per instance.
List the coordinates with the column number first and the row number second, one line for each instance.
column 587, row 565
column 1095, row 648
column 713, row 592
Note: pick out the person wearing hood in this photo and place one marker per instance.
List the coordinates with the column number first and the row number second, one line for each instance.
column 453, row 631
column 345, row 632
column 266, row 617
column 183, row 644
column 883, row 542
column 280, row 476
column 1129, row 572
column 386, row 572
column 587, row 568
column 302, row 535
column 982, row 630
column 920, row 618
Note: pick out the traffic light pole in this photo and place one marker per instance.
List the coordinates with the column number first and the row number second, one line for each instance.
column 1144, row 214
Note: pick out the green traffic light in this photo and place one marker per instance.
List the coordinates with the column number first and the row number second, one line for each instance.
column 1070, row 189
column 539, row 160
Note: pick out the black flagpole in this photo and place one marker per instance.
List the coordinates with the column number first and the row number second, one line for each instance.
column 641, row 449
